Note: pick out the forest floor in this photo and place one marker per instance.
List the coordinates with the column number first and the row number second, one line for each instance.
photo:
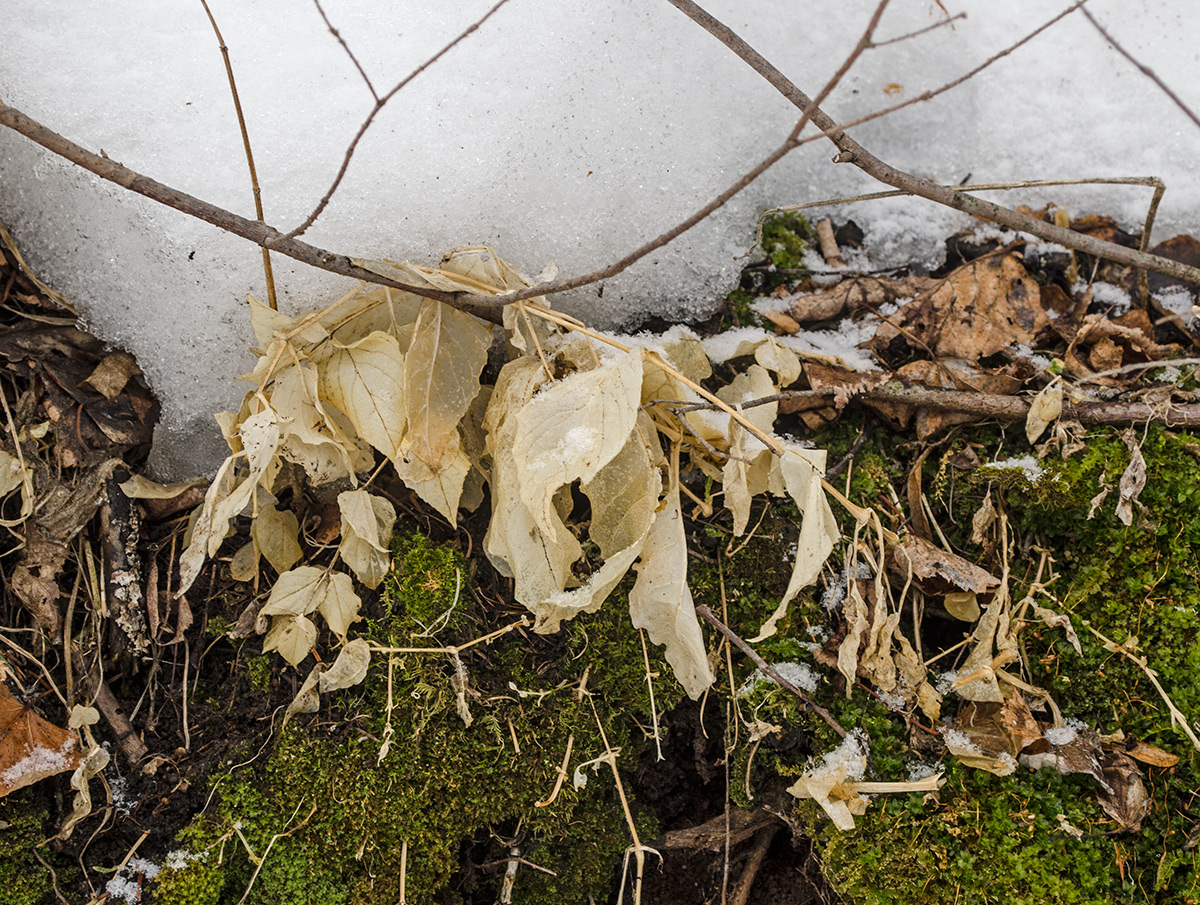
column 996, row 670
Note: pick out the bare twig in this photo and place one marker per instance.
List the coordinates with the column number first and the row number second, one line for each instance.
column 949, row 20
column 949, row 196
column 762, row 842
column 1145, row 70
column 380, row 102
column 237, row 106
column 259, row 233
column 346, row 47
column 705, row 613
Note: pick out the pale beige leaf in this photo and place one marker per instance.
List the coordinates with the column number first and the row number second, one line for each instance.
column 755, row 383
column 441, row 377
column 774, row 356
column 573, row 428
column 308, row 698
column 269, row 324
column 1045, row 409
column 340, row 605
column 297, row 593
column 244, row 565
column 12, row 473
column 661, row 602
column 963, row 605
column 313, row 437
column 139, row 487
column 349, row 668
column 366, row 383
column 482, row 265
column 526, row 331
column 367, row 522
column 624, row 495
column 802, row 471
column 293, row 636
column 830, row 781
column 276, row 532
column 745, row 474
column 442, row 488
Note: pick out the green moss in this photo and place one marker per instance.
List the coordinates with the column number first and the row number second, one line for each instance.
column 258, row 671
column 355, row 825
column 22, row 827
column 785, row 239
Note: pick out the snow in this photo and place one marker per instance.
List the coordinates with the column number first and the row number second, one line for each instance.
column 125, row 885
column 1060, row 735
column 851, row 753
column 801, row 675
column 1026, row 464
column 621, row 119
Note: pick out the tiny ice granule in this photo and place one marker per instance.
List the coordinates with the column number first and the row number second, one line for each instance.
column 1060, row 735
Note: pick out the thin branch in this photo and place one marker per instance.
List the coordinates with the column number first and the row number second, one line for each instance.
column 259, row 233
column 1145, row 70
column 792, row 141
column 949, row 20
column 346, row 47
column 380, row 102
column 237, row 106
column 853, row 152
column 705, row 613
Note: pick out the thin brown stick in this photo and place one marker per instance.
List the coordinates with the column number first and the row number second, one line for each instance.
column 256, row 232
column 853, row 152
column 380, row 102
column 346, row 47
column 237, row 106
column 762, row 842
column 949, row 20
column 705, row 613
column 1145, row 70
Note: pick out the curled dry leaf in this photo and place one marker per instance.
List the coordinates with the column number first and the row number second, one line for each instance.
column 309, row 589
column 1045, row 410
column 1133, row 481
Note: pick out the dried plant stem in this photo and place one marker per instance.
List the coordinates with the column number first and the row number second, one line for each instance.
column 705, row 613
column 237, row 106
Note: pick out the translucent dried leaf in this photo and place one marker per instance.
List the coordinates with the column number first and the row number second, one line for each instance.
column 441, row 488
column 244, row 565
column 828, row 782
column 317, row 438
column 292, row 636
column 661, row 602
column 349, row 668
column 269, row 325
column 572, row 429
column 963, row 605
column 366, row 383
column 774, row 356
column 367, row 522
column 745, row 474
column 139, row 487
column 441, row 377
column 276, row 532
column 308, row 698
column 802, row 471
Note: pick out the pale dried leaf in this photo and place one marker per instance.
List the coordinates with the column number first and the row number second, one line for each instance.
column 963, row 605
column 244, row 564
column 828, row 782
column 139, row 487
column 745, row 474
column 12, row 473
column 441, row 488
column 269, row 325
column 573, row 428
column 441, row 377
column 96, row 759
column 774, row 356
column 1045, row 409
column 802, row 471
column 276, row 532
column 661, row 602
column 982, row 520
column 366, row 382
column 316, row 438
column 367, row 522
column 349, row 668
column 293, row 636
column 1058, row 620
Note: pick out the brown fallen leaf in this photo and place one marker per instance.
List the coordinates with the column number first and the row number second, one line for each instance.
column 1150, row 754
column 31, row 749
column 853, row 295
column 938, row 570
column 1122, row 793
column 977, row 311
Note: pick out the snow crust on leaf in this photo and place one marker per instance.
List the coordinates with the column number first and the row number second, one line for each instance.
column 367, row 522
column 661, row 602
column 572, row 429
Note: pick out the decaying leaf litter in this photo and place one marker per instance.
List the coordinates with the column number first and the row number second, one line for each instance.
column 613, row 443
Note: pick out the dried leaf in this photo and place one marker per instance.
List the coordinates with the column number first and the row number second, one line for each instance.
column 802, row 471
column 292, row 636
column 244, row 565
column 661, row 602
column 1133, row 481
column 1150, row 754
column 349, row 668
column 366, row 382
column 442, row 488
column 31, row 749
column 318, row 439
column 827, row 782
column 367, row 522
column 307, row 589
column 139, row 487
column 276, row 534
column 308, row 698
column 1122, row 793
column 939, row 570
column 963, row 605
column 571, row 429
column 1058, row 620
column 1045, row 409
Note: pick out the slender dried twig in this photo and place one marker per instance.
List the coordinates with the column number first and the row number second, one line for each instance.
column 705, row 613
column 1145, row 70
column 237, row 106
column 346, row 47
column 380, row 102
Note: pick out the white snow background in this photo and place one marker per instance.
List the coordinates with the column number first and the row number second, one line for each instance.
column 564, row 130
